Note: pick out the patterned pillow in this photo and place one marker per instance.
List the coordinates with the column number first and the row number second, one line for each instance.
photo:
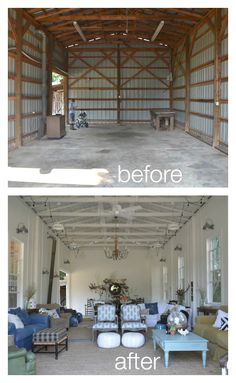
column 51, row 313
column 16, row 320
column 22, row 314
column 220, row 314
column 153, row 308
column 224, row 324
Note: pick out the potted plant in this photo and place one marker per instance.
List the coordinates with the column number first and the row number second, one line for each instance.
column 29, row 295
column 180, row 295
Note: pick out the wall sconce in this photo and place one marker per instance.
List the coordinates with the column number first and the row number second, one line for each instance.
column 45, row 271
column 208, row 225
column 178, row 247
column 67, row 262
column 56, row 275
column 21, row 229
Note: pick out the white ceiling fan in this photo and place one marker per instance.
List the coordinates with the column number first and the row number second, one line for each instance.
column 126, row 212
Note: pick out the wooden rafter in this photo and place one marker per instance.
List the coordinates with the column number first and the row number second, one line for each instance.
column 58, row 21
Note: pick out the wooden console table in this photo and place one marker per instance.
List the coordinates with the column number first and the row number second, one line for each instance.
column 207, row 310
column 167, row 115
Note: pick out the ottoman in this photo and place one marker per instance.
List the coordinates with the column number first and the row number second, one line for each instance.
column 133, row 339
column 108, row 340
column 56, row 337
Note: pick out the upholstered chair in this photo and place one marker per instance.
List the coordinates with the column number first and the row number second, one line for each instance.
column 131, row 319
column 105, row 320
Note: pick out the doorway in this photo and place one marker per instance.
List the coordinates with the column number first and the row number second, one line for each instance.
column 58, row 99
column 64, row 289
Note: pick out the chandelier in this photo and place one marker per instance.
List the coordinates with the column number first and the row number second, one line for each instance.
column 117, row 253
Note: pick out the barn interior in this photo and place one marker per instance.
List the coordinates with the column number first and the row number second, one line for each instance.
column 119, row 66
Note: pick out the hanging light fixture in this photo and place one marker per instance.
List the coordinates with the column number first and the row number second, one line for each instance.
column 117, row 253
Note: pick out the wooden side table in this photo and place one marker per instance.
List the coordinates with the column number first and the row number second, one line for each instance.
column 207, row 310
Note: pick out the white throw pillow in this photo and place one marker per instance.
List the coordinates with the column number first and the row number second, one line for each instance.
column 53, row 313
column 16, row 320
column 162, row 307
column 220, row 315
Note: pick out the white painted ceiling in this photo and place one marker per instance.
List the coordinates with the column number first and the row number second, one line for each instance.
column 147, row 221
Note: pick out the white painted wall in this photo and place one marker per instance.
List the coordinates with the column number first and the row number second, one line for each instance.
column 37, row 249
column 91, row 265
column 193, row 240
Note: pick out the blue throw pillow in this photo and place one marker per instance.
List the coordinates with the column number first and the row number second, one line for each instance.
column 22, row 314
column 153, row 308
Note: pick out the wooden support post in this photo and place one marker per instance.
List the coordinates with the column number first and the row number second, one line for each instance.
column 118, row 84
column 65, row 88
column 51, row 273
column 49, row 75
column 217, row 80
column 187, row 85
column 18, row 78
column 171, row 78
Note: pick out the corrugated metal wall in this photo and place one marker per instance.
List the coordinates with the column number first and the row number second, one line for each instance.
column 179, row 91
column 224, row 86
column 31, row 99
column 202, row 76
column 144, row 82
column 202, row 83
column 92, row 82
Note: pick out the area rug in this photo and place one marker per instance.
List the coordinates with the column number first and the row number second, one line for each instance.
column 85, row 358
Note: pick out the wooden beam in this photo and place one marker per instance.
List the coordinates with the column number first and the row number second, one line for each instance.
column 12, row 27
column 50, row 45
column 190, row 14
column 65, row 88
column 51, row 273
column 217, row 79
column 18, row 79
column 171, row 79
column 47, row 15
column 118, row 84
column 187, row 85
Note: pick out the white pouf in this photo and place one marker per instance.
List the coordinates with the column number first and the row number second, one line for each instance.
column 133, row 339
column 108, row 340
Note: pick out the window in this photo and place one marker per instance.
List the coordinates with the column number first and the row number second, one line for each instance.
column 165, row 284
column 180, row 272
column 213, row 271
column 15, row 278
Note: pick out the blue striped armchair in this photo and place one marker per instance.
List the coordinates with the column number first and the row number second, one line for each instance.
column 105, row 320
column 131, row 319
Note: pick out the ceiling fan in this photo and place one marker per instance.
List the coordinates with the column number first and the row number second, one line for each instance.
column 126, row 212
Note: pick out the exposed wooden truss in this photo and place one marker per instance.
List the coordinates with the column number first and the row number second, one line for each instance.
column 95, row 221
column 104, row 23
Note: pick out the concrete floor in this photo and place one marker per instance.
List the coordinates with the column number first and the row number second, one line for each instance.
column 90, row 157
